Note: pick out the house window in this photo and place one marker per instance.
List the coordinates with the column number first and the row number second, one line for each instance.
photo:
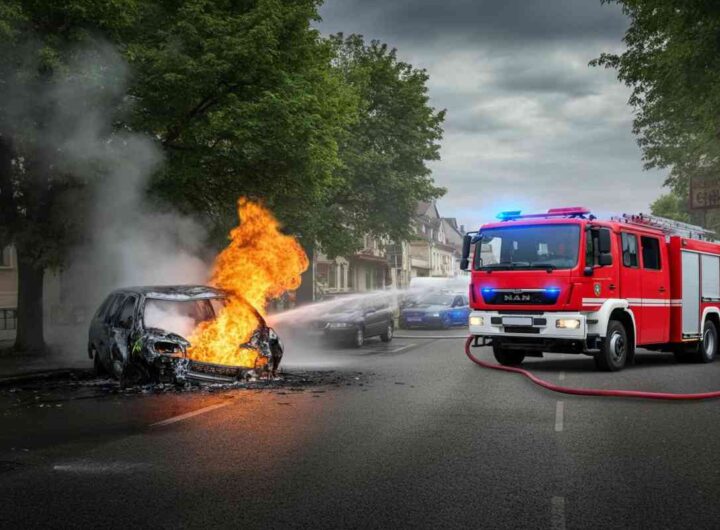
column 8, row 319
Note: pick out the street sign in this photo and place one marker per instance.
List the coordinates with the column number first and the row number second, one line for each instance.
column 704, row 193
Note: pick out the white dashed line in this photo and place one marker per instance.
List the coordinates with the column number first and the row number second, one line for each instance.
column 557, row 521
column 99, row 467
column 559, row 409
column 561, row 376
column 187, row 415
column 401, row 348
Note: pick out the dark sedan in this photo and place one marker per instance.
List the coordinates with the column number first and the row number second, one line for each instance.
column 439, row 310
column 353, row 323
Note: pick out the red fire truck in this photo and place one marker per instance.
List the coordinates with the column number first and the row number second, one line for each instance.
column 567, row 282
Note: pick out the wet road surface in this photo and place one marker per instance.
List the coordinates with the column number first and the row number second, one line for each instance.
column 406, row 434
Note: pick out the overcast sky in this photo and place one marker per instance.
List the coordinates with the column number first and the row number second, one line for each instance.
column 529, row 124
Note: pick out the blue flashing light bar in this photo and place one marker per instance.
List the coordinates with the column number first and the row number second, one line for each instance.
column 573, row 212
column 508, row 216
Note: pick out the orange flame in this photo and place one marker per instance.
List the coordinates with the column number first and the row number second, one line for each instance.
column 260, row 263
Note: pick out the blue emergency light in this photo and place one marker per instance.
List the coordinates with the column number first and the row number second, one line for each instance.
column 509, row 216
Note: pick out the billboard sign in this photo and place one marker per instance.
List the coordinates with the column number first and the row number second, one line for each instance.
column 704, row 193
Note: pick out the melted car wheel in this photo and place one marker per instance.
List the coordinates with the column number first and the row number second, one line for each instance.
column 97, row 364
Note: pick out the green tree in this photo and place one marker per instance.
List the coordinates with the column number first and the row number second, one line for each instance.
column 38, row 43
column 672, row 64
column 243, row 98
column 384, row 170
column 671, row 206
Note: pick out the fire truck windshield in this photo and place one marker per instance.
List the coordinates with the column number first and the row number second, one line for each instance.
column 528, row 247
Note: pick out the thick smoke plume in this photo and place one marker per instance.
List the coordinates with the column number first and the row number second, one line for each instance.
column 124, row 240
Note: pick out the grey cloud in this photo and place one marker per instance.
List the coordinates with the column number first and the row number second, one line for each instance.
column 529, row 125
column 481, row 20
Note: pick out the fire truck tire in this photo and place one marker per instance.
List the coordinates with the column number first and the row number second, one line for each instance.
column 707, row 349
column 507, row 357
column 614, row 353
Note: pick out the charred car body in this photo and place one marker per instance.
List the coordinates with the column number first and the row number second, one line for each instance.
column 138, row 335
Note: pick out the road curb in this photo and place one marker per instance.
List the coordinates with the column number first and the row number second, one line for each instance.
column 45, row 375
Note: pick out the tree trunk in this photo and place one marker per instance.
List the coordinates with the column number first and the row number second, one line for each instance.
column 30, row 330
column 306, row 292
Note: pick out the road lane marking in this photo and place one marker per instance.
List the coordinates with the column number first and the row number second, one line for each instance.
column 557, row 521
column 559, row 409
column 401, row 348
column 99, row 467
column 436, row 337
column 561, row 376
column 187, row 415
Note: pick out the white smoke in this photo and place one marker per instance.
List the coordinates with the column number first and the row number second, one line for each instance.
column 127, row 240
column 172, row 317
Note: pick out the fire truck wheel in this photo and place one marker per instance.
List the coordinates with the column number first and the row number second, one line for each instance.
column 507, row 357
column 708, row 348
column 614, row 353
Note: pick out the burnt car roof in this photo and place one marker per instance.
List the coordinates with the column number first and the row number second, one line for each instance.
column 174, row 292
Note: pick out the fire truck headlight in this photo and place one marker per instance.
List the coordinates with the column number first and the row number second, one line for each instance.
column 567, row 323
column 477, row 321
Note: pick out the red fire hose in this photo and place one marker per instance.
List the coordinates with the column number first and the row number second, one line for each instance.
column 587, row 391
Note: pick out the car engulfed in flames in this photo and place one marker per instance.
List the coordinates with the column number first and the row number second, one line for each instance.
column 139, row 335
column 198, row 333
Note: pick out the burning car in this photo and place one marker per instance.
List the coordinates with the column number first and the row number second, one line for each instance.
column 140, row 334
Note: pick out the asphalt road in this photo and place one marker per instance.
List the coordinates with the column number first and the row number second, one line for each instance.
column 409, row 434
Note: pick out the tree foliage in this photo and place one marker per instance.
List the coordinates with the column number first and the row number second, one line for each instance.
column 672, row 64
column 243, row 96
column 244, row 100
column 384, row 156
column 671, row 206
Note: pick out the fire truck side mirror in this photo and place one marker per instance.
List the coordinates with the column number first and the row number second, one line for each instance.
column 604, row 242
column 465, row 260
column 605, row 259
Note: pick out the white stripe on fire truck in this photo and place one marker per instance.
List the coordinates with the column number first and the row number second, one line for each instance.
column 645, row 302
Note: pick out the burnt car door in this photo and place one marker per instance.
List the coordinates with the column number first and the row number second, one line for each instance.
column 97, row 325
column 105, row 329
column 122, row 325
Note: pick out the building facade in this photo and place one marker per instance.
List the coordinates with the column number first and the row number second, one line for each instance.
column 366, row 270
column 433, row 251
column 8, row 293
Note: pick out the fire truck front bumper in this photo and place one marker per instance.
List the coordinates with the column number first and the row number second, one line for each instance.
column 533, row 327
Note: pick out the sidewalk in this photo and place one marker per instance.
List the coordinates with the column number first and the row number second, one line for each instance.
column 19, row 367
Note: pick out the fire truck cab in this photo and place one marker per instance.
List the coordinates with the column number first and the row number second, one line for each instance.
column 567, row 282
